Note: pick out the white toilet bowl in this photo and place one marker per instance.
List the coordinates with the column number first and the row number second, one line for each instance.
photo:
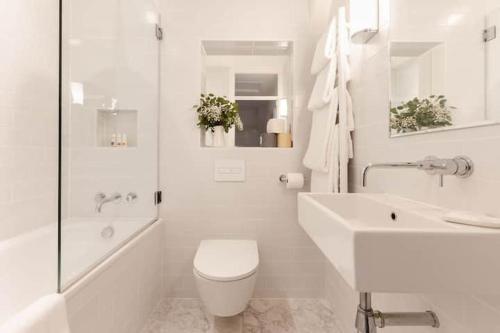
column 225, row 273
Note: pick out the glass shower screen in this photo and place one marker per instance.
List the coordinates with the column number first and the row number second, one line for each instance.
column 110, row 104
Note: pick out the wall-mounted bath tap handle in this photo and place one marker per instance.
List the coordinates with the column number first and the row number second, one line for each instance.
column 131, row 197
column 460, row 166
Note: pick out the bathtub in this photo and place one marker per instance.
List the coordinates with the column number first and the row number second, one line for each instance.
column 86, row 242
column 29, row 262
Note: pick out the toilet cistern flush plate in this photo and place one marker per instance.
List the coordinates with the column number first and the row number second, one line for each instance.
column 229, row 171
column 385, row 243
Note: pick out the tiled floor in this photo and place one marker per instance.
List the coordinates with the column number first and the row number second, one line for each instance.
column 261, row 316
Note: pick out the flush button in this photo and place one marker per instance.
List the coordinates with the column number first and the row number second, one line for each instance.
column 229, row 171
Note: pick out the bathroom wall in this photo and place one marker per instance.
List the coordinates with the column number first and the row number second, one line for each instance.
column 28, row 147
column 195, row 207
column 28, row 116
column 370, row 91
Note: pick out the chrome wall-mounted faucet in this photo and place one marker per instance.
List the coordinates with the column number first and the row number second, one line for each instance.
column 101, row 199
column 460, row 166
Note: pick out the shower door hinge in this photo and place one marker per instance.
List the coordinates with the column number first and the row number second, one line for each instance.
column 159, row 32
column 490, row 33
column 158, row 198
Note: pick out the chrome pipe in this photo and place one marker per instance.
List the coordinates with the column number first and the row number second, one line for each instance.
column 427, row 319
column 365, row 316
column 386, row 165
column 368, row 320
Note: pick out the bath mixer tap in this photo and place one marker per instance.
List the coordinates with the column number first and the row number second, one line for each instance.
column 460, row 166
column 101, row 199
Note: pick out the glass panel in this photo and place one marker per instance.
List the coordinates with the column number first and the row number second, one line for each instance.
column 110, row 112
column 492, row 37
column 256, row 84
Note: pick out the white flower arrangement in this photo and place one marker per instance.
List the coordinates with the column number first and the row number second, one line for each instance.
column 216, row 111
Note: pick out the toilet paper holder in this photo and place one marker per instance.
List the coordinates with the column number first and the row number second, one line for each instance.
column 284, row 179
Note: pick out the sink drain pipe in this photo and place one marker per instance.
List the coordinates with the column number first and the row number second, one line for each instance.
column 368, row 320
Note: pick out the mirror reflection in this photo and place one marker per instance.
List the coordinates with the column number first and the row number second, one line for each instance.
column 445, row 67
column 257, row 77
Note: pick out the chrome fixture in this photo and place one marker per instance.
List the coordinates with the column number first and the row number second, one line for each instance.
column 101, row 199
column 368, row 320
column 364, row 20
column 131, row 197
column 283, row 179
column 490, row 33
column 460, row 166
column 108, row 232
column 159, row 32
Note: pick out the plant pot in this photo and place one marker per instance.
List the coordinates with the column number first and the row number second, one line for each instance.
column 209, row 138
column 218, row 136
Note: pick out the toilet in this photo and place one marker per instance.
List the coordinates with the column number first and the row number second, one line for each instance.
column 225, row 272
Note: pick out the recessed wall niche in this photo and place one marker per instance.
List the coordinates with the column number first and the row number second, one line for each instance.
column 116, row 128
column 257, row 75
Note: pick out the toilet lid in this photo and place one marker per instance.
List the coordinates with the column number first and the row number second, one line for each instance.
column 226, row 260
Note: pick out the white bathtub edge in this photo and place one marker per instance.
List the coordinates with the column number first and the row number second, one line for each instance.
column 102, row 266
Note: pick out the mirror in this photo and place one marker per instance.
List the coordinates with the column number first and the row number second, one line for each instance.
column 445, row 65
column 257, row 76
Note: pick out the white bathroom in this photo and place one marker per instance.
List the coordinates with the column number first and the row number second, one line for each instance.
column 267, row 166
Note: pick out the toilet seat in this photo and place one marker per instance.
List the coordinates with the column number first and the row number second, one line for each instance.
column 226, row 260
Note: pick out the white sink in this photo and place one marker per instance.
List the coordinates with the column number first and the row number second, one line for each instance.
column 414, row 252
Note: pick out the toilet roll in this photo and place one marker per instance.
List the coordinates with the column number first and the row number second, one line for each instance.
column 294, row 181
column 275, row 125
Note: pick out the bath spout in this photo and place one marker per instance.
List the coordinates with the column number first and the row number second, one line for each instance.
column 101, row 199
column 460, row 166
column 387, row 165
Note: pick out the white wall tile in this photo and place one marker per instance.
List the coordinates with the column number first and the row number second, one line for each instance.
column 28, row 141
column 195, row 206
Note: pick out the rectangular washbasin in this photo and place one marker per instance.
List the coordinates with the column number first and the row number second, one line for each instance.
column 385, row 243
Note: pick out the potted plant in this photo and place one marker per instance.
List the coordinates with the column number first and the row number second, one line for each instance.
column 420, row 114
column 216, row 116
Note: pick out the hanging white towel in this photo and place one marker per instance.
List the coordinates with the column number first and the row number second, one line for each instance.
column 323, row 122
column 331, row 176
column 346, row 121
column 323, row 87
column 47, row 315
column 334, row 163
column 325, row 48
column 328, row 182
